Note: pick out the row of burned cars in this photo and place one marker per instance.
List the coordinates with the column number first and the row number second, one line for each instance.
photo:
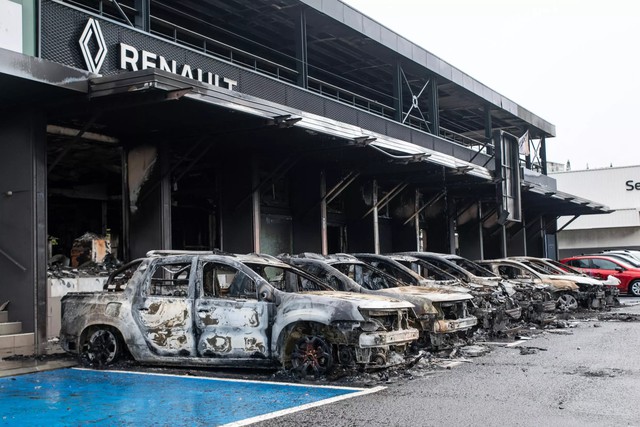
column 310, row 313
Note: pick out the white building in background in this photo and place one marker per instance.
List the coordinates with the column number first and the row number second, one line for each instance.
column 615, row 187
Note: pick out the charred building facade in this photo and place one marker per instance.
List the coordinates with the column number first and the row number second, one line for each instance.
column 274, row 126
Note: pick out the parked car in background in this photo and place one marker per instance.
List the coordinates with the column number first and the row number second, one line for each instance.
column 601, row 266
column 622, row 255
column 630, row 252
column 199, row 308
column 439, row 314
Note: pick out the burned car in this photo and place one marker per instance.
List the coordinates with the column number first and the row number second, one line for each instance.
column 495, row 306
column 534, row 300
column 201, row 308
column 440, row 314
column 610, row 284
column 564, row 291
column 592, row 291
column 391, row 265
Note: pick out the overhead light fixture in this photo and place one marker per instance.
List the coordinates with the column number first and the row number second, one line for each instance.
column 284, row 121
column 549, row 193
column 363, row 141
column 420, row 157
column 463, row 169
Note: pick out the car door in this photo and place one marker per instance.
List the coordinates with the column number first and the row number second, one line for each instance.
column 230, row 321
column 164, row 310
column 601, row 268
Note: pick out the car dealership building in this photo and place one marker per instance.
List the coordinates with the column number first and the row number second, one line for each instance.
column 616, row 187
column 252, row 126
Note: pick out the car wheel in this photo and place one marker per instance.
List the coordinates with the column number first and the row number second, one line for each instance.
column 311, row 355
column 567, row 302
column 634, row 288
column 102, row 347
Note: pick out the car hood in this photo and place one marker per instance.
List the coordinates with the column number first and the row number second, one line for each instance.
column 558, row 284
column 362, row 300
column 611, row 281
column 580, row 279
column 430, row 293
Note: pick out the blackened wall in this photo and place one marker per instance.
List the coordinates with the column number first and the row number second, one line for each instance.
column 23, row 219
column 305, row 206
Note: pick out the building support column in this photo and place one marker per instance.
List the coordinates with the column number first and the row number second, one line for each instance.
column 451, row 225
column 255, row 205
column 480, row 230
column 416, row 220
column 503, row 241
column 323, row 212
column 376, row 228
column 149, row 193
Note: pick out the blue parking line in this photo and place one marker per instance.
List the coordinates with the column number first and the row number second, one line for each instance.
column 80, row 397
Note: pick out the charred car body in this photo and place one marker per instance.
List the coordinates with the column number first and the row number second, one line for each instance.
column 591, row 291
column 439, row 314
column 564, row 291
column 611, row 283
column 494, row 303
column 245, row 310
column 534, row 300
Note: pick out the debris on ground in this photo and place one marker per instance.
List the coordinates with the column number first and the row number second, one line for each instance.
column 474, row 350
column 524, row 350
column 619, row 317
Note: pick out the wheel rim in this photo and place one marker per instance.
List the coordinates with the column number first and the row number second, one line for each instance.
column 567, row 302
column 635, row 288
column 311, row 355
column 102, row 347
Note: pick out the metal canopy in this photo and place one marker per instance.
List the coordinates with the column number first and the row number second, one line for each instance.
column 345, row 53
column 558, row 203
column 394, row 159
column 161, row 83
column 25, row 80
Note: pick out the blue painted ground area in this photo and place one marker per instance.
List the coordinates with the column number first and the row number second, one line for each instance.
column 74, row 397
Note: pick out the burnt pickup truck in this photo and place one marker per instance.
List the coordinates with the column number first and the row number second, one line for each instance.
column 231, row 310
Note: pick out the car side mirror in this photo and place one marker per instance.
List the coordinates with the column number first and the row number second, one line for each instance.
column 619, row 269
column 265, row 294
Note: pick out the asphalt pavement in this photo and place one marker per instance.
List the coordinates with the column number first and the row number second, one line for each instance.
column 584, row 375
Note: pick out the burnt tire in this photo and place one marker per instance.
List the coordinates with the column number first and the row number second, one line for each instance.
column 567, row 302
column 634, row 288
column 311, row 354
column 102, row 347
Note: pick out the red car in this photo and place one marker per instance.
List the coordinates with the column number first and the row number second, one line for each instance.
column 601, row 266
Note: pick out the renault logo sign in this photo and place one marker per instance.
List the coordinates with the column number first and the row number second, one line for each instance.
column 92, row 39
